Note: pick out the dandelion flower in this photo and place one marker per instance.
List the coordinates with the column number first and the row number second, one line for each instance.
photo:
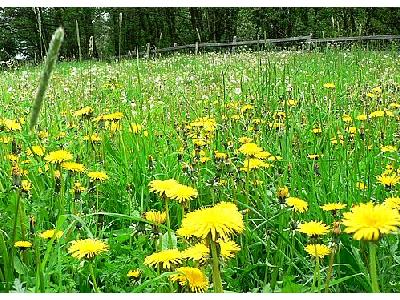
column 298, row 204
column 134, row 274
column 101, row 176
column 283, row 192
column 58, row 156
column 37, row 150
column 329, row 85
column 85, row 111
column 313, row 228
column 167, row 258
column 333, row 206
column 26, row 185
column 193, row 278
column 318, row 250
column 12, row 125
column 228, row 248
column 388, row 149
column 73, row 166
column 198, row 252
column 361, row 186
column 368, row 221
column 156, row 217
column 392, row 202
column 87, row 249
column 23, row 244
column 253, row 163
column 182, row 193
column 250, row 149
column 48, row 234
column 388, row 180
column 161, row 187
column 219, row 221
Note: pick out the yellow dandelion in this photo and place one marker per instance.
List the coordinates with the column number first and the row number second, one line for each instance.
column 362, row 117
column 26, row 185
column 23, row 244
column 228, row 248
column 388, row 180
column 98, row 175
column 368, row 221
column 156, row 217
column 245, row 140
column 318, row 250
column 182, row 193
column 73, row 166
column 298, row 204
column 198, row 252
column 333, row 206
column 283, row 192
column 193, row 278
column 37, row 150
column 361, row 186
column 135, row 128
column 347, row 118
column 87, row 249
column 388, row 148
column 58, row 156
column 167, row 258
column 12, row 125
column 250, row 149
column 313, row 228
column 161, row 187
column 219, row 221
column 135, row 274
column 253, row 163
column 329, row 85
column 392, row 202
column 317, row 130
column 85, row 111
column 49, row 234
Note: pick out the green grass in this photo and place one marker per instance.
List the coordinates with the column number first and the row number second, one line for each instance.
column 165, row 95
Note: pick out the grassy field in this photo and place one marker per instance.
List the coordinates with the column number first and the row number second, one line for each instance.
column 275, row 135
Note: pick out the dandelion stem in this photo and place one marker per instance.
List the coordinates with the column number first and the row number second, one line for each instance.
column 330, row 269
column 96, row 289
column 372, row 267
column 215, row 268
column 168, row 223
column 316, row 273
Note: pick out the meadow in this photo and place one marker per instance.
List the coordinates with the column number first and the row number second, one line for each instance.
column 246, row 172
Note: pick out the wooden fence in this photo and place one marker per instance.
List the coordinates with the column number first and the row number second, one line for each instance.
column 307, row 39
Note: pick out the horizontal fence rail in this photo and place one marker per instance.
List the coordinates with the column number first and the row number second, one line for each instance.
column 307, row 39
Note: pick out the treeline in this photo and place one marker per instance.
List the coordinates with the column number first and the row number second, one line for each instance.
column 25, row 32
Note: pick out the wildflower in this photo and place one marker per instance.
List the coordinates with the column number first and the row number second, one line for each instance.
column 220, row 155
column 298, row 204
column 283, row 192
column 37, row 150
column 292, row 102
column 78, row 187
column 253, row 163
column 94, row 138
column 49, row 234
column 73, row 166
column 317, row 130
column 43, row 134
column 394, row 105
column 23, row 244
column 377, row 114
column 362, row 117
column 347, row 118
column 329, row 85
column 262, row 155
column 98, row 175
column 228, row 248
column 155, row 217
column 333, row 206
column 167, row 258
column 198, row 252
column 377, row 90
column 313, row 228
column 368, row 221
column 313, row 156
column 85, row 111
column 250, row 149
column 87, row 249
column 182, row 193
column 135, row 274
column 110, row 117
column 162, row 186
column 12, row 125
column 388, row 180
column 361, row 186
column 219, row 221
column 392, row 202
column 26, row 185
column 317, row 250
column 351, row 130
column 193, row 278
column 388, row 149
column 135, row 128
column 58, row 156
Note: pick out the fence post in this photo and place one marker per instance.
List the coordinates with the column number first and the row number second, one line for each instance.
column 258, row 42
column 155, row 51
column 147, row 50
column 198, row 34
column 309, row 42
column 196, row 48
column 265, row 39
column 78, row 39
column 234, row 42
